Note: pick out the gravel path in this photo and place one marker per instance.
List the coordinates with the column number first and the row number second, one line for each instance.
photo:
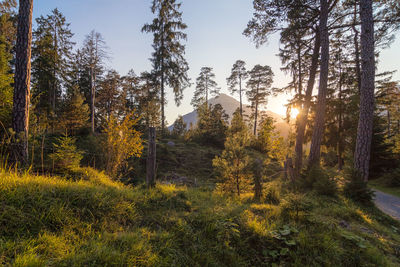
column 388, row 204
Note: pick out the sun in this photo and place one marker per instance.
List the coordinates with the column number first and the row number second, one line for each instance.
column 294, row 113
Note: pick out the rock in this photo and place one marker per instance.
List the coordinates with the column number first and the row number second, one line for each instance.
column 344, row 224
column 171, row 144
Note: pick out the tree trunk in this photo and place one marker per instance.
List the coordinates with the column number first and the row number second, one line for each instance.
column 357, row 50
column 319, row 126
column 362, row 153
column 22, row 80
column 256, row 118
column 151, row 158
column 302, row 118
column 340, row 122
column 240, row 94
column 92, row 99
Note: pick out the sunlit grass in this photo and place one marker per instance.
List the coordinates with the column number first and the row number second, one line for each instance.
column 94, row 221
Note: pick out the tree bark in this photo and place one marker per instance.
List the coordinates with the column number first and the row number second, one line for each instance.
column 362, row 153
column 151, row 159
column 302, row 121
column 357, row 50
column 22, row 80
column 319, row 126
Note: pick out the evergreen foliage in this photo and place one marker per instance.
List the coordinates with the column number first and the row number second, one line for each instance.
column 206, row 86
column 232, row 167
column 169, row 64
column 236, row 81
column 180, row 127
column 259, row 88
column 66, row 156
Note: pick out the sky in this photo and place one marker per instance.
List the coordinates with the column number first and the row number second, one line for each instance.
column 215, row 40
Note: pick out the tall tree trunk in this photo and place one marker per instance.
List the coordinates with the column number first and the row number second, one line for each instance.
column 92, row 99
column 302, row 118
column 162, row 100
column 340, row 122
column 256, row 114
column 319, row 126
column 240, row 93
column 357, row 50
column 22, row 80
column 362, row 153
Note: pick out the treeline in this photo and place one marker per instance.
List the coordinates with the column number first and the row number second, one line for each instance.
column 340, row 41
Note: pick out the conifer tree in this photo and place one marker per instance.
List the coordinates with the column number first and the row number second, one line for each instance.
column 362, row 153
column 169, row 64
column 206, row 86
column 259, row 88
column 232, row 166
column 51, row 52
column 22, row 79
column 94, row 54
column 179, row 127
column 319, row 126
column 110, row 101
column 75, row 113
column 235, row 81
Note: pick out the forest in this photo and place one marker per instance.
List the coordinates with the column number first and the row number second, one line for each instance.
column 92, row 174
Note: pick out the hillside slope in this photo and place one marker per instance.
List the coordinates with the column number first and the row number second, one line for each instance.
column 93, row 221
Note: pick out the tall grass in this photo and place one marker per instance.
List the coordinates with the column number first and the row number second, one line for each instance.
column 86, row 219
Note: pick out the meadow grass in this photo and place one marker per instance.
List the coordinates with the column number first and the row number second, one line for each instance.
column 94, row 221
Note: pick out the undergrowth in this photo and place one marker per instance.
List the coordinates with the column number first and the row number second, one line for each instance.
column 93, row 221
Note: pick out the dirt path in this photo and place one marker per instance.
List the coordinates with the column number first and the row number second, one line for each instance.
column 388, row 204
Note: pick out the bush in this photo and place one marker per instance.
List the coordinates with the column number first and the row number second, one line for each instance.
column 392, row 178
column 356, row 189
column 66, row 156
column 320, row 181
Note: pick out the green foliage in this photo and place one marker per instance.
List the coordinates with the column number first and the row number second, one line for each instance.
column 392, row 179
column 48, row 221
column 206, row 86
column 75, row 113
column 122, row 141
column 357, row 189
column 6, row 90
column 179, row 129
column 211, row 126
column 66, row 155
column 232, row 166
column 320, row 180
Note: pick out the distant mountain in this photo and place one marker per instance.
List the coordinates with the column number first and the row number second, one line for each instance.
column 230, row 105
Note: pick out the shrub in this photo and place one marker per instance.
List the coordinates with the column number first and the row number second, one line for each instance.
column 122, row 142
column 392, row 178
column 356, row 189
column 319, row 180
column 66, row 156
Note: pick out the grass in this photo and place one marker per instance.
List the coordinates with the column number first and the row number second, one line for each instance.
column 88, row 220
column 382, row 185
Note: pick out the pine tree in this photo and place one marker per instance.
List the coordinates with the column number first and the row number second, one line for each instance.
column 75, row 113
column 235, row 81
column 205, row 86
column 259, row 88
column 232, row 166
column 362, row 153
column 94, row 52
column 22, row 77
column 179, row 127
column 319, row 126
column 169, row 65
column 52, row 51
column 110, row 100
column 66, row 156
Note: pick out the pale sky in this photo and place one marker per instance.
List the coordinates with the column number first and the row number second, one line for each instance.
column 214, row 39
